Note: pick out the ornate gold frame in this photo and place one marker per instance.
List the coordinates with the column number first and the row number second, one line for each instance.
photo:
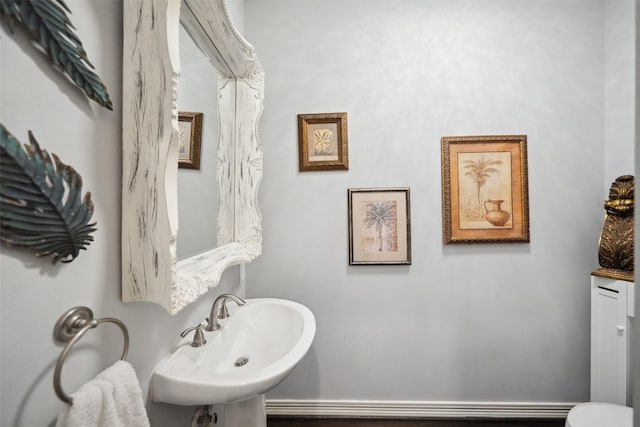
column 334, row 137
column 192, row 160
column 479, row 175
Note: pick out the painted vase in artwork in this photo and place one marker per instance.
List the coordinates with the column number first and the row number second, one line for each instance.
column 495, row 215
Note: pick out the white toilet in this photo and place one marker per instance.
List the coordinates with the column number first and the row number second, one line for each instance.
column 597, row 414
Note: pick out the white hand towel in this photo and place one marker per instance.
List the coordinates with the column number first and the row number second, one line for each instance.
column 112, row 399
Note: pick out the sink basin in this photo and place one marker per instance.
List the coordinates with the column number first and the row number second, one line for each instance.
column 255, row 349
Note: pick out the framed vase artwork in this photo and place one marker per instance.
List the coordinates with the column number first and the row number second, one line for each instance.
column 485, row 197
column 379, row 226
column 190, row 128
column 322, row 142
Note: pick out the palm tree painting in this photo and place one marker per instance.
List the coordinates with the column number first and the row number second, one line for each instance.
column 381, row 217
column 480, row 171
column 483, row 176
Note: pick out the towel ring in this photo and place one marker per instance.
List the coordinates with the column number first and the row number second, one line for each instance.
column 70, row 327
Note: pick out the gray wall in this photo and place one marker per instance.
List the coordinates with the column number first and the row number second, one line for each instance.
column 463, row 323
column 619, row 72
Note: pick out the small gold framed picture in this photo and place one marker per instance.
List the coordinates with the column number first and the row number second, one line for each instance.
column 190, row 127
column 322, row 142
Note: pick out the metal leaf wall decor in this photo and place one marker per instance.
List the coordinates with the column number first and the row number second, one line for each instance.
column 40, row 201
column 52, row 30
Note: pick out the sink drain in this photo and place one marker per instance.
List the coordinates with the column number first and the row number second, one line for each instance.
column 241, row 361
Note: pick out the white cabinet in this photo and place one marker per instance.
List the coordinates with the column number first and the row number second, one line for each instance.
column 611, row 307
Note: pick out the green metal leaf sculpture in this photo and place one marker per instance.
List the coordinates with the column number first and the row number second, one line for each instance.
column 40, row 204
column 52, row 30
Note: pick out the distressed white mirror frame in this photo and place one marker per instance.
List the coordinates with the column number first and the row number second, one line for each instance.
column 151, row 67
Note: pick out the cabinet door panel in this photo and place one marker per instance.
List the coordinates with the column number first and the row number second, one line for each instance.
column 609, row 341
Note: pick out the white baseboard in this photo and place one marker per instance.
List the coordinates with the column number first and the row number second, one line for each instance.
column 416, row 409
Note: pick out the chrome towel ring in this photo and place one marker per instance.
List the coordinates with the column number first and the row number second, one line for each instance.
column 69, row 328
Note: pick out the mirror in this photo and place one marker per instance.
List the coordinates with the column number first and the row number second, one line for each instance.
column 151, row 67
column 197, row 190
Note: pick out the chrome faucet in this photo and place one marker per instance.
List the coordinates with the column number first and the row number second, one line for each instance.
column 198, row 337
column 222, row 312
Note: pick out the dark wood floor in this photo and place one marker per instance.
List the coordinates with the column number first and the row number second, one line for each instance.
column 372, row 422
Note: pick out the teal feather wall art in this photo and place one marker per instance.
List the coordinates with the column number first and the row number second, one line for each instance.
column 52, row 30
column 41, row 207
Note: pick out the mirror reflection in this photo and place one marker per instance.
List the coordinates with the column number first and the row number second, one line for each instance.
column 197, row 188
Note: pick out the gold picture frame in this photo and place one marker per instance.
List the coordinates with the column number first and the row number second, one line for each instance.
column 190, row 128
column 379, row 226
column 485, row 196
column 322, row 142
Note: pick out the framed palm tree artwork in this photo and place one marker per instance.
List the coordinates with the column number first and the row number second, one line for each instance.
column 379, row 226
column 485, row 197
column 322, row 142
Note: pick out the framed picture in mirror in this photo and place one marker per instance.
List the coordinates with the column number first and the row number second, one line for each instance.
column 190, row 128
column 322, row 142
column 485, row 196
column 379, row 226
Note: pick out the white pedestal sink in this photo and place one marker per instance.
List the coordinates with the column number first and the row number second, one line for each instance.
column 256, row 348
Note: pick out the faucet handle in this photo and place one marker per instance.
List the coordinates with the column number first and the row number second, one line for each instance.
column 198, row 337
column 224, row 311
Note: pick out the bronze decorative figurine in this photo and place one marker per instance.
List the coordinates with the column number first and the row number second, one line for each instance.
column 615, row 252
